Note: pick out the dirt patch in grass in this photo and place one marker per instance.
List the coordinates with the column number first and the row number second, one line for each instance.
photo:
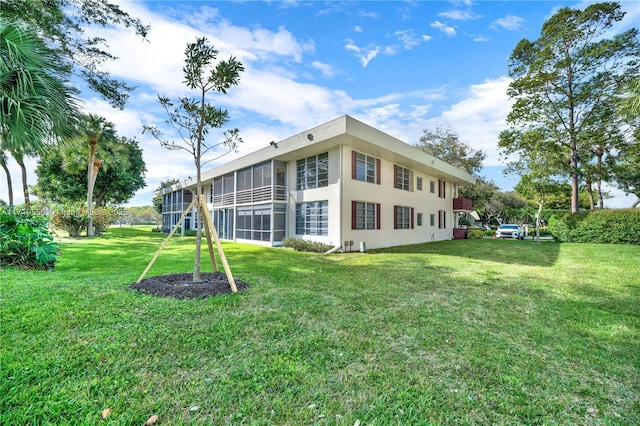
column 182, row 286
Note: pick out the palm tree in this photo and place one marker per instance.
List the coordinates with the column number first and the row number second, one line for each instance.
column 3, row 163
column 37, row 108
column 95, row 130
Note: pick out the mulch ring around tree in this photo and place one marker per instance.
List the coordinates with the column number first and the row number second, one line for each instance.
column 182, row 286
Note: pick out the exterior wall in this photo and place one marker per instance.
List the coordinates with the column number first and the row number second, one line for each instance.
column 422, row 201
column 339, row 138
column 329, row 193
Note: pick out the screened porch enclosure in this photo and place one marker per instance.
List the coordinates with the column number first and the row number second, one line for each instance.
column 250, row 204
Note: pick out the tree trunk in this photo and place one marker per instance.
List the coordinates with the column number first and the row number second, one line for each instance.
column 634, row 205
column 93, row 142
column 25, row 187
column 599, row 180
column 9, row 184
column 575, row 178
column 592, row 203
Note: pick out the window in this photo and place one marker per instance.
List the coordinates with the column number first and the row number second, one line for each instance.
column 262, row 175
column 365, row 215
column 244, row 179
column 442, row 219
column 402, row 217
column 365, row 168
column 432, row 187
column 312, row 172
column 442, row 188
column 243, row 223
column 419, row 183
column 432, row 219
column 261, row 227
column 419, row 219
column 403, row 178
column 312, row 218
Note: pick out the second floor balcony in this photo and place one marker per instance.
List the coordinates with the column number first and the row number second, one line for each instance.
column 462, row 205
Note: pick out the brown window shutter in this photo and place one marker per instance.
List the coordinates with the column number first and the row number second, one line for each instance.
column 395, row 217
column 377, row 216
column 353, row 164
column 444, row 190
column 395, row 176
column 439, row 219
column 378, row 172
column 353, row 214
column 411, row 217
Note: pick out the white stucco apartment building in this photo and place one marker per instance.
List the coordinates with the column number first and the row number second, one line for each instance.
column 342, row 183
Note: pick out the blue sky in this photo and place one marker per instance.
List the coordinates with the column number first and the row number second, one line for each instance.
column 399, row 66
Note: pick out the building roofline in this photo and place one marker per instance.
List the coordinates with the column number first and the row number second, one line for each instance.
column 344, row 130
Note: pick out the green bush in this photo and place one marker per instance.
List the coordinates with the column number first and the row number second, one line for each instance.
column 157, row 229
column 25, row 240
column 103, row 218
column 620, row 226
column 475, row 234
column 74, row 221
column 190, row 232
column 304, row 245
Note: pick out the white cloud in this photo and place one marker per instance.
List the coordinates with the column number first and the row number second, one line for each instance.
column 480, row 38
column 460, row 15
column 365, row 54
column 509, row 22
column 449, row 31
column 326, row 69
column 480, row 117
column 409, row 39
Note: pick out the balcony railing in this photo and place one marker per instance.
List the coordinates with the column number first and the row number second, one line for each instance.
column 254, row 195
column 462, row 204
column 175, row 207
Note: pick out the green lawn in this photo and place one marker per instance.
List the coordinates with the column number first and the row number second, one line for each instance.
column 456, row 332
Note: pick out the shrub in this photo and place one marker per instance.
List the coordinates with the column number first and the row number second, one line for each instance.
column 304, row 245
column 190, row 232
column 157, row 229
column 620, row 226
column 25, row 241
column 74, row 221
column 475, row 234
column 103, row 218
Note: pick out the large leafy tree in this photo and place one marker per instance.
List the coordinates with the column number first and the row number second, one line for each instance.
column 62, row 174
column 444, row 143
column 561, row 80
column 61, row 23
column 193, row 117
column 36, row 106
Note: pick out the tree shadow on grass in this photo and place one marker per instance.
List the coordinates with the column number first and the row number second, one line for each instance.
column 525, row 252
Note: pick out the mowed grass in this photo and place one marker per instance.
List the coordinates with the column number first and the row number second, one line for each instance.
column 455, row 332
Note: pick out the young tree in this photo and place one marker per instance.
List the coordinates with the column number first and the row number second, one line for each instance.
column 562, row 78
column 194, row 118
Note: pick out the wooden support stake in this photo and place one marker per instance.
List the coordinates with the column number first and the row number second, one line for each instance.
column 223, row 258
column 207, row 228
column 173, row 231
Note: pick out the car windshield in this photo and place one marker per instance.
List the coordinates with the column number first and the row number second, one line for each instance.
column 509, row 227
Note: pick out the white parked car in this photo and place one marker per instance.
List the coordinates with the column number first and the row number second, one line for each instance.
column 510, row 230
